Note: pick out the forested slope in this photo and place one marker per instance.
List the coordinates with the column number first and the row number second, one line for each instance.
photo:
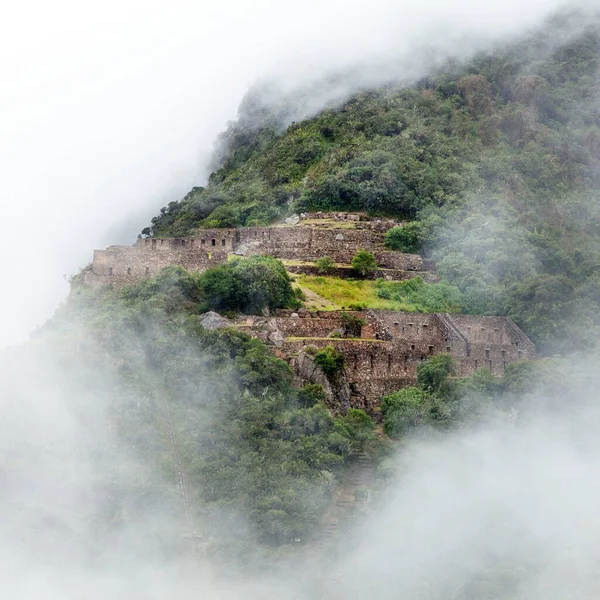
column 496, row 162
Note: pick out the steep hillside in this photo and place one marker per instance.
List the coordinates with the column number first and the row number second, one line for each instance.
column 496, row 161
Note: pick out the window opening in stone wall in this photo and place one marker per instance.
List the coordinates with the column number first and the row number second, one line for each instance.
column 389, row 362
column 490, row 364
column 476, row 364
column 448, row 348
column 147, row 270
column 110, row 270
column 202, row 242
column 519, row 354
column 128, row 270
column 222, row 242
column 371, row 360
column 487, row 353
column 503, row 353
column 425, row 325
column 213, row 242
column 183, row 242
column 468, row 351
column 430, row 349
column 412, row 346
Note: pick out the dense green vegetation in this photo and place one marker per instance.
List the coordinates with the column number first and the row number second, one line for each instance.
column 441, row 402
column 261, row 457
column 364, row 263
column 496, row 163
column 424, row 297
column 413, row 295
column 248, row 285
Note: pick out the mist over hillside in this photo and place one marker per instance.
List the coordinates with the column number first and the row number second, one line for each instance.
column 143, row 454
column 493, row 160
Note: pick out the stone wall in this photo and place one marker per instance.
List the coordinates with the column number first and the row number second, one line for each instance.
column 120, row 265
column 393, row 344
column 124, row 265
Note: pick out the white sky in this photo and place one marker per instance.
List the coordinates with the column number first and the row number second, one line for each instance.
column 108, row 109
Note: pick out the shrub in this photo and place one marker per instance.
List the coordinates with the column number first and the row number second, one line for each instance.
column 331, row 361
column 311, row 394
column 433, row 375
column 223, row 216
column 408, row 238
column 364, row 263
column 404, row 410
column 325, row 265
column 248, row 285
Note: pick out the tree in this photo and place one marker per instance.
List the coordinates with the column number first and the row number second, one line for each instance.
column 247, row 285
column 433, row 375
column 364, row 263
column 331, row 361
column 404, row 410
column 408, row 238
column 325, row 265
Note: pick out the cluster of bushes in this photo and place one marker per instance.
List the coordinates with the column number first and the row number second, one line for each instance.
column 254, row 450
column 441, row 401
column 429, row 297
column 247, row 285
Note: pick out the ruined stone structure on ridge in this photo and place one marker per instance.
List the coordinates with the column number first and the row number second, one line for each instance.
column 390, row 347
column 339, row 236
column 383, row 356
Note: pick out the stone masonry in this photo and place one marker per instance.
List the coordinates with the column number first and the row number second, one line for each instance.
column 123, row 265
column 379, row 361
column 391, row 346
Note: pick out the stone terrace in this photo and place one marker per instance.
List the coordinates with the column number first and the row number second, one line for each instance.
column 390, row 347
column 301, row 240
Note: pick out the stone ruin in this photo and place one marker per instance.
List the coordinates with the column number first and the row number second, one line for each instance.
column 379, row 359
column 314, row 235
column 384, row 356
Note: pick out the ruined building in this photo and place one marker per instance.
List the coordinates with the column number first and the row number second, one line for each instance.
column 380, row 358
column 122, row 265
column 390, row 347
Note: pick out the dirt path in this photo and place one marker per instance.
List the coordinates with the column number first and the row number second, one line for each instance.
column 316, row 302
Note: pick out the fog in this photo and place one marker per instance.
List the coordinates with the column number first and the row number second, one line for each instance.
column 110, row 110
column 504, row 508
column 508, row 510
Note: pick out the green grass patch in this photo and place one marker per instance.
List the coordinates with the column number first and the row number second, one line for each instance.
column 413, row 295
column 347, row 293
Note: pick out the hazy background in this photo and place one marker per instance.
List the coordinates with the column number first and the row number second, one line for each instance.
column 109, row 110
